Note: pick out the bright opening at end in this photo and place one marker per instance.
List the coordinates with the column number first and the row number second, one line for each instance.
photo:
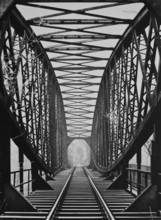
column 78, row 153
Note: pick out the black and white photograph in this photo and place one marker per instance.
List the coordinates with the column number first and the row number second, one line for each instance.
column 80, row 109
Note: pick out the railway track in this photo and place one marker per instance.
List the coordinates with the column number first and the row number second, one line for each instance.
column 82, row 200
column 79, row 195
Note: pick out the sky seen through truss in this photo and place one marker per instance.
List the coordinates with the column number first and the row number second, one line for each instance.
column 79, row 39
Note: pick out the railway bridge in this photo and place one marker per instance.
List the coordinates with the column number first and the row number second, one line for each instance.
column 80, row 80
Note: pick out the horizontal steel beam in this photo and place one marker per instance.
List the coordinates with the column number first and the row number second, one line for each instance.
column 78, row 112
column 85, row 77
column 78, row 118
column 77, row 59
column 79, row 98
column 79, row 68
column 66, row 1
column 78, row 21
column 85, row 105
column 79, row 92
column 78, row 48
column 78, row 12
column 83, row 36
column 81, row 130
column 79, row 84
column 86, row 124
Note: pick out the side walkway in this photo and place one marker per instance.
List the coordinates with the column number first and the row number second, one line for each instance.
column 118, row 200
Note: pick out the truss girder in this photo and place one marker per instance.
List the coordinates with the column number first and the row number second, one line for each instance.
column 127, row 91
column 77, row 49
column 5, row 6
column 131, row 81
column 33, row 93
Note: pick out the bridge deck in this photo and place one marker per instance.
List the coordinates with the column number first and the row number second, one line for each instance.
column 80, row 199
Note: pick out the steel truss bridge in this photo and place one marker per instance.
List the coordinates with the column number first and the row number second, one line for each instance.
column 80, row 70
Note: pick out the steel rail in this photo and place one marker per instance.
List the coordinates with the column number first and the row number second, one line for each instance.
column 108, row 213
column 61, row 194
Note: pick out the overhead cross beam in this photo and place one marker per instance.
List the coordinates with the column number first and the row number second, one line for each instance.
column 108, row 1
column 80, row 52
column 77, row 21
column 97, row 37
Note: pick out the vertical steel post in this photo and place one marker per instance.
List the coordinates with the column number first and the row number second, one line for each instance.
column 154, row 168
column 156, row 177
column 139, row 173
column 4, row 152
column 21, row 160
column 34, row 174
column 5, row 148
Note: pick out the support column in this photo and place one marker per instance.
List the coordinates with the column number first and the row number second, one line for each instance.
column 154, row 168
column 4, row 153
column 5, row 145
column 157, row 163
column 125, row 174
column 21, row 160
column 34, row 169
column 52, row 121
column 139, row 168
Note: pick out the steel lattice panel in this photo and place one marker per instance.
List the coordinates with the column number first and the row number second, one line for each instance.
column 79, row 39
